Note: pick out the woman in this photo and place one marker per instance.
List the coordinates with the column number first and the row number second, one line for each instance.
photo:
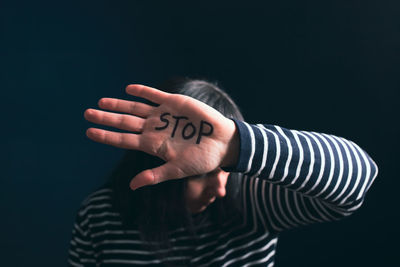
column 223, row 190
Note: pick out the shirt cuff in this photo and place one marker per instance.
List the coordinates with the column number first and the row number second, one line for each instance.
column 244, row 148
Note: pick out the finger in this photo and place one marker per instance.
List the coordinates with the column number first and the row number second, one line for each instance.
column 154, row 95
column 121, row 140
column 157, row 175
column 124, row 106
column 120, row 121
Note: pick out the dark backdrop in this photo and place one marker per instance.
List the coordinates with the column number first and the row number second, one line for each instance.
column 308, row 65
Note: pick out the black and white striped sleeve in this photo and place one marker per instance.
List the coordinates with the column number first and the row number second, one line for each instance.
column 304, row 177
column 81, row 251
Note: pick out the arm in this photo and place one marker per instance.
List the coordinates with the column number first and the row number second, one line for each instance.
column 306, row 177
column 194, row 139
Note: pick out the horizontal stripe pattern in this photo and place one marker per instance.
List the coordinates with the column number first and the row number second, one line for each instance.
column 98, row 238
column 292, row 178
column 307, row 177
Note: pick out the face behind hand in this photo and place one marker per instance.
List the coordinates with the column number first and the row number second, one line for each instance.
column 202, row 190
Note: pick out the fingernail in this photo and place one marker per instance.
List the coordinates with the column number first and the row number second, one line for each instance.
column 133, row 187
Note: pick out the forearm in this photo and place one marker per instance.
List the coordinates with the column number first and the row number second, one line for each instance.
column 321, row 166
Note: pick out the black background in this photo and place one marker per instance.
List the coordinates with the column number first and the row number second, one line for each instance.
column 331, row 67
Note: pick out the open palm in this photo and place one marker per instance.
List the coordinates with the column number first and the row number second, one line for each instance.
column 190, row 136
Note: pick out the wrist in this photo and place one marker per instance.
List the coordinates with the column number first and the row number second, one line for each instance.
column 231, row 156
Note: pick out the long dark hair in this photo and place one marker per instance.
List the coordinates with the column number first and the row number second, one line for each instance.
column 155, row 210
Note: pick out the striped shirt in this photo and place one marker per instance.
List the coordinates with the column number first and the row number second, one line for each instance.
column 292, row 178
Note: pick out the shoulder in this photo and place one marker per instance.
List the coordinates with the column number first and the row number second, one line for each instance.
column 97, row 202
column 102, row 194
column 96, row 213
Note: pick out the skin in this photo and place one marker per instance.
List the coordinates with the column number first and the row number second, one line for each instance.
column 201, row 159
column 202, row 190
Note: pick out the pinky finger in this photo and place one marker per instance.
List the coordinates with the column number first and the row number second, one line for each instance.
column 121, row 140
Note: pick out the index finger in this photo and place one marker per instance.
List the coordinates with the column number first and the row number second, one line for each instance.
column 154, row 95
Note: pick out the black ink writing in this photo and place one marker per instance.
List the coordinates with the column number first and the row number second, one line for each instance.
column 189, row 130
column 163, row 119
column 201, row 133
column 177, row 119
column 185, row 136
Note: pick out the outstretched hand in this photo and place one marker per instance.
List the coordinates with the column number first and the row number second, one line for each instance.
column 190, row 136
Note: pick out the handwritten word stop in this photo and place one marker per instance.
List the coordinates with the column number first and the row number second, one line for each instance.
column 189, row 130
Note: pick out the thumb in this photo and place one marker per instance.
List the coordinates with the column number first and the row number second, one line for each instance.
column 167, row 171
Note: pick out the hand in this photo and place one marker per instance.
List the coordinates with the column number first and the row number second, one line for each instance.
column 190, row 136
